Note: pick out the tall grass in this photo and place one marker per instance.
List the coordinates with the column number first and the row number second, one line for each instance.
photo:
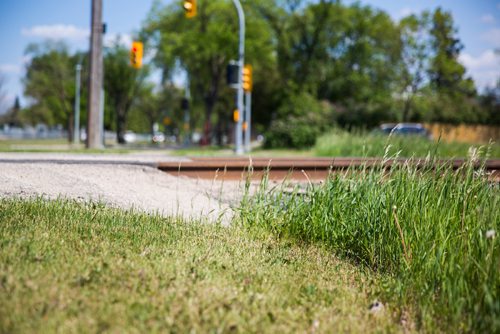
column 429, row 232
column 359, row 144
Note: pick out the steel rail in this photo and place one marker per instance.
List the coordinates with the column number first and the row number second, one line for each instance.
column 314, row 169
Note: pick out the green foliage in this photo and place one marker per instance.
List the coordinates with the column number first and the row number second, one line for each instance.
column 490, row 101
column 122, row 84
column 369, row 67
column 203, row 46
column 431, row 232
column 301, row 119
column 13, row 115
column 50, row 84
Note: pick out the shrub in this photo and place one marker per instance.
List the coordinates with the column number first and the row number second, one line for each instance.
column 301, row 119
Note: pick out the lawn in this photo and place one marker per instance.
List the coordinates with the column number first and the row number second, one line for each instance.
column 67, row 266
column 52, row 145
column 311, row 258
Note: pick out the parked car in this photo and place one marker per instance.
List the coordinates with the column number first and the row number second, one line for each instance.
column 386, row 127
column 411, row 129
column 158, row 137
column 130, row 137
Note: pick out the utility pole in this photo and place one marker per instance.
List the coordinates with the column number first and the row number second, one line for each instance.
column 187, row 120
column 241, row 62
column 76, row 130
column 96, row 75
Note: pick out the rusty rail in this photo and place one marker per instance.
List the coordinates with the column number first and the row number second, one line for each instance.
column 300, row 169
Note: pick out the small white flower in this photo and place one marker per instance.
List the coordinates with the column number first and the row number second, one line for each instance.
column 490, row 234
column 394, row 207
column 376, row 307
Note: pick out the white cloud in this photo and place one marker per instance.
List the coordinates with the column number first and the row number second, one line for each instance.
column 10, row 68
column 484, row 69
column 70, row 32
column 492, row 36
column 57, row 31
column 488, row 18
column 110, row 39
column 405, row 12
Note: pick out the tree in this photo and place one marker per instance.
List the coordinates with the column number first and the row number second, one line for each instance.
column 456, row 93
column 49, row 83
column 490, row 101
column 13, row 115
column 122, row 82
column 446, row 73
column 203, row 46
column 415, row 56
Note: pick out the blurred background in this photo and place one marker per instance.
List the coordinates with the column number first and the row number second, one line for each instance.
column 318, row 68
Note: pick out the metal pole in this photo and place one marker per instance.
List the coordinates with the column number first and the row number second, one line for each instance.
column 187, row 120
column 76, row 130
column 241, row 63
column 248, row 119
column 95, row 80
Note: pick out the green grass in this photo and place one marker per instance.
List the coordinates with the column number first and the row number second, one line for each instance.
column 51, row 146
column 344, row 144
column 423, row 230
column 74, row 267
column 213, row 151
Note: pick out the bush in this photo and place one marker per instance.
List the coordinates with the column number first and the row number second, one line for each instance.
column 301, row 119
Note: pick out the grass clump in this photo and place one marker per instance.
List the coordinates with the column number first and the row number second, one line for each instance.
column 359, row 144
column 73, row 267
column 430, row 233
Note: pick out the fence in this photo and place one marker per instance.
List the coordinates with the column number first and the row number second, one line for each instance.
column 464, row 133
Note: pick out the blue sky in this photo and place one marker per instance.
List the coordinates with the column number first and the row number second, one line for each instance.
column 27, row 21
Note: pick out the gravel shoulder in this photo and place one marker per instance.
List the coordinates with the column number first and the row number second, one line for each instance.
column 124, row 181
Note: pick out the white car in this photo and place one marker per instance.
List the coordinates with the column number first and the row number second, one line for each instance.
column 158, row 137
column 130, row 137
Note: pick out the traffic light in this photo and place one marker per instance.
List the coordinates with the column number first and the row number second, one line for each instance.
column 236, row 115
column 190, row 8
column 136, row 53
column 233, row 72
column 247, row 78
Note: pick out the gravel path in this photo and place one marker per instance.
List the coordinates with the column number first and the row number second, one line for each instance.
column 125, row 181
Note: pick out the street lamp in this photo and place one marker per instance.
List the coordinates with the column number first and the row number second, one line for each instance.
column 241, row 63
column 76, row 130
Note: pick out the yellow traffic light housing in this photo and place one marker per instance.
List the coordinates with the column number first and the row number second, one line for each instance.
column 247, row 78
column 190, row 8
column 136, row 53
column 236, row 115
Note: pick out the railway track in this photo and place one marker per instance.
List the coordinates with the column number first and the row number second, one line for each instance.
column 300, row 169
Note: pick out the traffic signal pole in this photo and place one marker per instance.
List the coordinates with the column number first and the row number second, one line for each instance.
column 248, row 120
column 96, row 75
column 241, row 62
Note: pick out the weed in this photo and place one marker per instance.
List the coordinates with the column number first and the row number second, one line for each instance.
column 429, row 232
